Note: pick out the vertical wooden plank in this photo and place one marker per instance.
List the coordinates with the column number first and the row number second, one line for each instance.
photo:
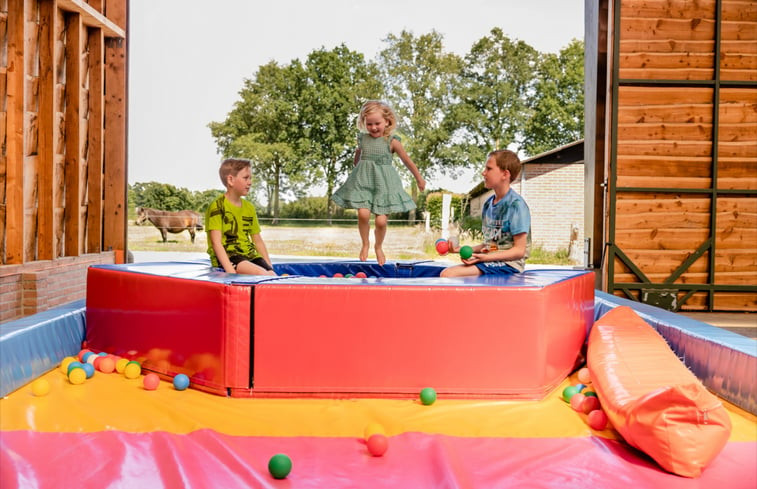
column 114, row 183
column 73, row 133
column 46, row 118
column 95, row 134
column 14, row 196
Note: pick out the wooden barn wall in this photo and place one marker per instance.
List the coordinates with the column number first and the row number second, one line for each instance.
column 62, row 132
column 683, row 177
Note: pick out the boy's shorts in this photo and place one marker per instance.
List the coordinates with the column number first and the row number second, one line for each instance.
column 259, row 261
column 495, row 268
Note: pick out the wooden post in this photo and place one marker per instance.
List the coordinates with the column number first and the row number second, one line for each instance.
column 114, row 183
column 47, row 130
column 73, row 133
column 14, row 183
column 95, row 135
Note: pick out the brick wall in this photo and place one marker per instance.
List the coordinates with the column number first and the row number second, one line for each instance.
column 555, row 195
column 38, row 286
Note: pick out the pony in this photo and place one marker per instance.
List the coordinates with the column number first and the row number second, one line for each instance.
column 170, row 221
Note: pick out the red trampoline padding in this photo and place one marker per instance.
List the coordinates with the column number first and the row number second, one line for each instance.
column 651, row 398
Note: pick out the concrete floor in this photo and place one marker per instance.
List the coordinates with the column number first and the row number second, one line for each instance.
column 743, row 323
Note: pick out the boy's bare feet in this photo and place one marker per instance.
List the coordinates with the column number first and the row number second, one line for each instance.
column 364, row 253
column 380, row 258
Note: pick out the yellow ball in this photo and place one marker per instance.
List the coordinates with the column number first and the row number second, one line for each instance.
column 77, row 376
column 40, row 387
column 64, row 364
column 372, row 429
column 132, row 370
column 121, row 365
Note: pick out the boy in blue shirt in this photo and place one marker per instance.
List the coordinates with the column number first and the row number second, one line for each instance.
column 234, row 240
column 505, row 223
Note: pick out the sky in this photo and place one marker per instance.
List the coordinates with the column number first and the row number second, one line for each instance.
column 188, row 60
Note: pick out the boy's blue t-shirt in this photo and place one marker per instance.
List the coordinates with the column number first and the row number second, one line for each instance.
column 501, row 221
column 237, row 225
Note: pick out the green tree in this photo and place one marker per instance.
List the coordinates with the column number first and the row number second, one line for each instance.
column 161, row 196
column 338, row 81
column 419, row 76
column 264, row 127
column 202, row 199
column 492, row 108
column 557, row 101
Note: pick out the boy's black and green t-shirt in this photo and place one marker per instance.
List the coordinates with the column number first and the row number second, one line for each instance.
column 237, row 225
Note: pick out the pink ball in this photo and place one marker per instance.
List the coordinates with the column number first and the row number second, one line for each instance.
column 597, row 420
column 442, row 247
column 584, row 376
column 151, row 382
column 377, row 444
column 589, row 404
column 576, row 400
column 338, row 275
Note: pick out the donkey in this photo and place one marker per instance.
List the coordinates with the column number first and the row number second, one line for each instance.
column 170, row 221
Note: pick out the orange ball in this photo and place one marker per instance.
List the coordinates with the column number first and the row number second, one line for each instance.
column 106, row 365
column 151, row 381
column 377, row 444
column 584, row 376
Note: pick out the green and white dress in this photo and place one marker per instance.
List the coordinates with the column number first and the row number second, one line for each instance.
column 374, row 183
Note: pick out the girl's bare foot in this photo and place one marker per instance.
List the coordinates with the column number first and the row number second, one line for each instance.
column 364, row 253
column 380, row 258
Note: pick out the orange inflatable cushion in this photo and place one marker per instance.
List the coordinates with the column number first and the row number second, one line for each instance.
column 650, row 396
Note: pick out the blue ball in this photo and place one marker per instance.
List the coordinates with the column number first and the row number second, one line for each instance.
column 86, row 356
column 180, row 382
column 73, row 365
column 89, row 369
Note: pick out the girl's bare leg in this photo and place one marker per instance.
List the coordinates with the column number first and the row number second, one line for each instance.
column 380, row 233
column 364, row 227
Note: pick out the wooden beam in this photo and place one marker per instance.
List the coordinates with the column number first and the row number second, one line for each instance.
column 95, row 144
column 14, row 176
column 47, row 131
column 92, row 18
column 116, row 106
column 73, row 134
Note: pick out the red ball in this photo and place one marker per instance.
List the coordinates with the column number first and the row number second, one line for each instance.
column 151, row 382
column 589, row 404
column 377, row 444
column 442, row 247
column 361, row 275
column 597, row 420
column 338, row 275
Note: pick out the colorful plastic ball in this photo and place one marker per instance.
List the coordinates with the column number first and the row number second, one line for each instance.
column 361, row 275
column 584, row 376
column 377, row 444
column 576, row 401
column 442, row 247
column 40, row 387
column 132, row 370
column 181, row 382
column 428, row 396
column 338, row 275
column 106, row 365
column 121, row 365
column 372, row 429
column 80, row 355
column 569, row 392
column 73, row 365
column 86, row 356
column 89, row 369
column 597, row 420
column 466, row 252
column 580, row 387
column 151, row 382
column 349, row 275
column 65, row 363
column 280, row 466
column 439, row 241
column 589, row 404
column 77, row 375
column 589, row 393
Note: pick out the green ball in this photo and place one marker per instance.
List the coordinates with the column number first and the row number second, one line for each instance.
column 279, row 466
column 569, row 392
column 428, row 396
column 589, row 393
column 466, row 252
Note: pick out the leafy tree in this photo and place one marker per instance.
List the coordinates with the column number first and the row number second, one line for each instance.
column 202, row 199
column 264, row 127
column 557, row 101
column 161, row 196
column 492, row 111
column 419, row 77
column 338, row 81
